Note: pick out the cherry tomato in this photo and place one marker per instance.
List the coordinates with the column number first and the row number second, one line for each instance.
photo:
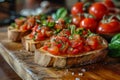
column 77, row 8
column 53, row 50
column 89, row 23
column 98, row 10
column 76, row 19
column 110, row 27
column 109, row 3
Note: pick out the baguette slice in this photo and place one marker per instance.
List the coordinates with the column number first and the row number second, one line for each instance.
column 31, row 45
column 16, row 35
column 44, row 58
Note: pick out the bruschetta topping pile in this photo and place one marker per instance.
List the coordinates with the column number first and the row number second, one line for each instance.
column 23, row 24
column 46, row 27
column 73, row 41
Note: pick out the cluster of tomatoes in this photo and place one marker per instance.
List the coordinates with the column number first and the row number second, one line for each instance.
column 96, row 19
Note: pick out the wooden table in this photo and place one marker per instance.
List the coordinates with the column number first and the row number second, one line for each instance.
column 6, row 72
column 23, row 64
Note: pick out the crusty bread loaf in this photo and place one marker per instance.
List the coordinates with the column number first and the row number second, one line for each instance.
column 16, row 35
column 44, row 58
column 30, row 44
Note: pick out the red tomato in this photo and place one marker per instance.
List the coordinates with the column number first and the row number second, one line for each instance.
column 77, row 8
column 53, row 50
column 98, row 10
column 89, row 23
column 76, row 19
column 109, row 3
column 110, row 27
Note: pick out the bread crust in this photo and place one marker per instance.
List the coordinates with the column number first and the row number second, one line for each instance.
column 15, row 35
column 44, row 58
column 30, row 44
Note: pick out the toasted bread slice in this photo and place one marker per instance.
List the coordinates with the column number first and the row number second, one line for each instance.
column 30, row 44
column 44, row 58
column 16, row 35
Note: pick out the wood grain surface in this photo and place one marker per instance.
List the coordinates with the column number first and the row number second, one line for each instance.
column 22, row 63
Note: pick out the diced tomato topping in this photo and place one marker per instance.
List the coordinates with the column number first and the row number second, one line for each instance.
column 59, row 45
column 77, row 44
column 93, row 42
column 75, row 51
column 35, row 27
column 54, row 50
column 45, row 47
column 39, row 37
column 87, row 48
column 23, row 27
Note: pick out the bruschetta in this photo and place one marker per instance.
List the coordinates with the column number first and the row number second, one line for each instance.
column 42, row 32
column 71, row 48
column 20, row 28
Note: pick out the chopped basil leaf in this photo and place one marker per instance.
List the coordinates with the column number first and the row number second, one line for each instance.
column 57, row 31
column 51, row 24
column 13, row 25
column 43, row 17
column 44, row 23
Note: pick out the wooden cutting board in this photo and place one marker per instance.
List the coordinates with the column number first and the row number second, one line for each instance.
column 22, row 63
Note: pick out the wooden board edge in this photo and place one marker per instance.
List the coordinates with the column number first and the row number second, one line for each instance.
column 15, row 65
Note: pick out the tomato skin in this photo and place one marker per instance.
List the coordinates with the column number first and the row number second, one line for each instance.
column 76, row 19
column 77, row 8
column 98, row 10
column 53, row 50
column 89, row 23
column 109, row 3
column 111, row 27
